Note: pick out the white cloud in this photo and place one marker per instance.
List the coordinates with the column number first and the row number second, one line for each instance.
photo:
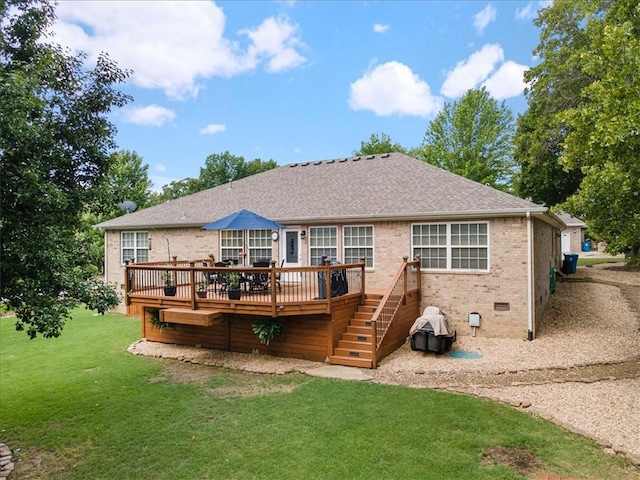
column 530, row 11
column 275, row 41
column 160, row 167
column 173, row 46
column 392, row 88
column 380, row 28
column 484, row 18
column 212, row 129
column 153, row 115
column 470, row 72
column 507, row 82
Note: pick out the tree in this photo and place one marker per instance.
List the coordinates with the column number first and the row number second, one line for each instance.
column 597, row 54
column 379, row 144
column 473, row 138
column 54, row 151
column 222, row 168
column 556, row 84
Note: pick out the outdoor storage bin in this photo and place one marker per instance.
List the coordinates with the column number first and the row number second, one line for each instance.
column 586, row 246
column 570, row 263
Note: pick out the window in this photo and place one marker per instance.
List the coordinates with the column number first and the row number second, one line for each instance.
column 231, row 245
column 452, row 246
column 259, row 245
column 357, row 244
column 323, row 242
column 135, row 246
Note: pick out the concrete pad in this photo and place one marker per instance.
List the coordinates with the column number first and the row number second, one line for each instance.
column 337, row 371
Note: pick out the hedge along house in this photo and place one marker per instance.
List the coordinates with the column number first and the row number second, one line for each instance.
column 480, row 250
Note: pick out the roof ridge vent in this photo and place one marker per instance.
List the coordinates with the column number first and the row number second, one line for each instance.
column 342, row 160
column 370, row 157
column 331, row 161
column 355, row 159
column 293, row 165
column 386, row 155
column 318, row 163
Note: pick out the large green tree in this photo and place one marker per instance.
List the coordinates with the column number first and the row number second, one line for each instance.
column 379, row 144
column 55, row 145
column 472, row 137
column 556, row 84
column 585, row 101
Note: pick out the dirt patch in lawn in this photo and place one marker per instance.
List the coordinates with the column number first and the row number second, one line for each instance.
column 519, row 459
column 223, row 382
column 34, row 464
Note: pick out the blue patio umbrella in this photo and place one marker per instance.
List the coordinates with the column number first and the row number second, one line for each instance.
column 243, row 220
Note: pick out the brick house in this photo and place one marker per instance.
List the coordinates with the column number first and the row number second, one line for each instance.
column 480, row 249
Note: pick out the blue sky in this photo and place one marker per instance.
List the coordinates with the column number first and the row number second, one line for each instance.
column 296, row 81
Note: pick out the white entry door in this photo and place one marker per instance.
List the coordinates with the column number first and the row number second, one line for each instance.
column 565, row 244
column 291, row 252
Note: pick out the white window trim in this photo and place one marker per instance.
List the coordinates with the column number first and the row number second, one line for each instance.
column 337, row 247
column 135, row 247
column 449, row 247
column 373, row 245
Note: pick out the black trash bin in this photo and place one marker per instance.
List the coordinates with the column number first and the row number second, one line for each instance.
column 570, row 263
column 339, row 285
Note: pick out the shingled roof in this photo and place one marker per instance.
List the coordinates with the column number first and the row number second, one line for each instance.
column 370, row 188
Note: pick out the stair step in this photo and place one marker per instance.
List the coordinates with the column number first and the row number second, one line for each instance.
column 355, row 346
column 353, row 353
column 363, row 315
column 350, row 361
column 361, row 322
column 357, row 337
column 372, row 302
column 359, row 330
column 366, row 309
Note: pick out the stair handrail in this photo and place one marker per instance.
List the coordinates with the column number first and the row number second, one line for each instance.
column 392, row 303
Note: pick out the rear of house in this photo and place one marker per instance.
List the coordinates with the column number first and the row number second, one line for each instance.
column 480, row 250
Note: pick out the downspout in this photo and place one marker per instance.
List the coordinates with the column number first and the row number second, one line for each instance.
column 529, row 279
column 106, row 253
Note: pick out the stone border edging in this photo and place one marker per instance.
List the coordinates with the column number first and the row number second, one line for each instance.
column 6, row 461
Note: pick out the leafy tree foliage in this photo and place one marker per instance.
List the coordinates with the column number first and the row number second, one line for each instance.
column 591, row 51
column 219, row 168
column 54, row 150
column 472, row 137
column 556, row 85
column 379, row 144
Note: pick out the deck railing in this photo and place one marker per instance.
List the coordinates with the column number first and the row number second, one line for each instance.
column 406, row 279
column 283, row 290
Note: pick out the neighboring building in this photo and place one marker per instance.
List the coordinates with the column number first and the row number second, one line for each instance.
column 482, row 250
column 572, row 237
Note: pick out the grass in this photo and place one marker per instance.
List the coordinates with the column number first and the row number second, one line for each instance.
column 80, row 407
column 586, row 261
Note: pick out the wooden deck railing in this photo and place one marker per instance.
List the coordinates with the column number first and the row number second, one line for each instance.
column 406, row 279
column 279, row 291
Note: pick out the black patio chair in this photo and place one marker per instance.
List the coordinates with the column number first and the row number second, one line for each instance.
column 218, row 278
column 259, row 282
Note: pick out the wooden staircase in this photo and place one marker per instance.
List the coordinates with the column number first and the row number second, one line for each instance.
column 357, row 346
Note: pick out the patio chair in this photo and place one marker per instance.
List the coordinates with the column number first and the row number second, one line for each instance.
column 218, row 278
column 259, row 282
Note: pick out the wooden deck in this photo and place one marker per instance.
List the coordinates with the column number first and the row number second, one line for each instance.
column 318, row 326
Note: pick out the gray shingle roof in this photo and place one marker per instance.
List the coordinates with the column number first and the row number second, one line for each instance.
column 375, row 187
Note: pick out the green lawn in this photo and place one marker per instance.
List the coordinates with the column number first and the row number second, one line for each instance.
column 598, row 260
column 80, row 407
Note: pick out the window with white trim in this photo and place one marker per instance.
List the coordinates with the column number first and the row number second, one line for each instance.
column 259, row 245
column 134, row 246
column 452, row 246
column 323, row 242
column 357, row 242
column 231, row 245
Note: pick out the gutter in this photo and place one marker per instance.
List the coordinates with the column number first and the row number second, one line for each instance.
column 529, row 279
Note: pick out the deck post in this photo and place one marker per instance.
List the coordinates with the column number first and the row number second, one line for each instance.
column 419, row 274
column 405, row 280
column 327, row 284
column 274, row 295
column 192, row 283
column 127, row 283
column 363, row 290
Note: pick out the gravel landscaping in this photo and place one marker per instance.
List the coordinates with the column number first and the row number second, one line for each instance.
column 582, row 371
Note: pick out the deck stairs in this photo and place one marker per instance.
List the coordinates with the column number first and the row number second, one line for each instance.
column 357, row 346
